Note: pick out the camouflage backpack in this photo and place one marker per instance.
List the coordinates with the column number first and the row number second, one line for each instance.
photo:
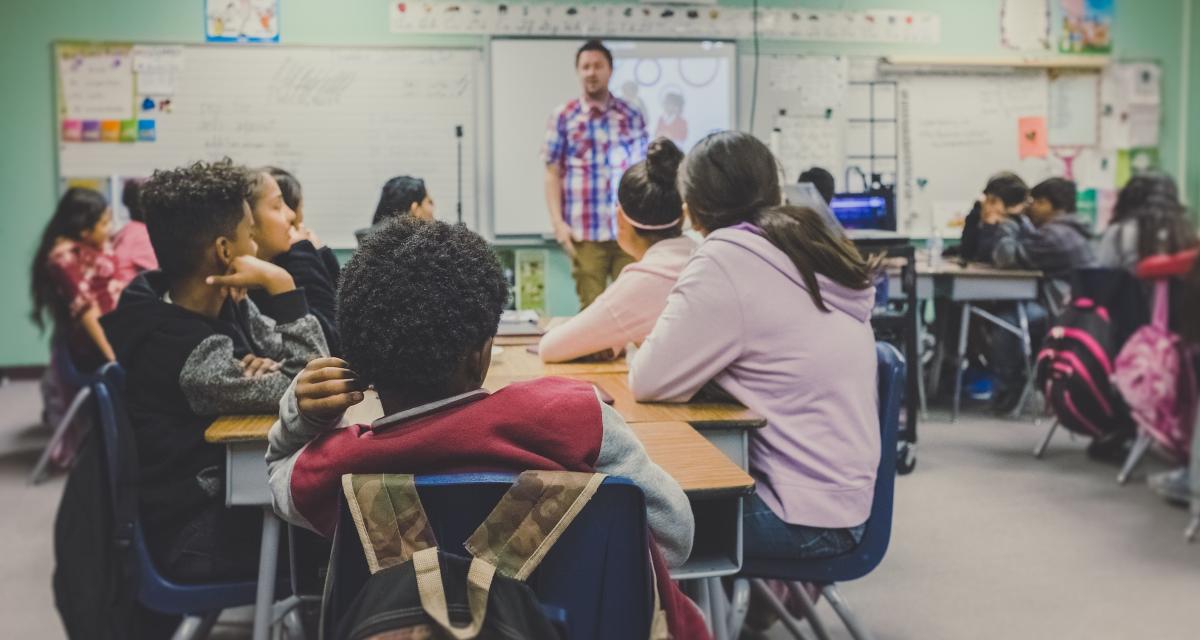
column 417, row 591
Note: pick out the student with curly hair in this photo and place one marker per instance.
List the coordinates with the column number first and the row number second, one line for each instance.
column 193, row 348
column 419, row 306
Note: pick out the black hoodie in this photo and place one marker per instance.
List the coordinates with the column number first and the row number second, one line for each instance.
column 316, row 271
column 182, row 370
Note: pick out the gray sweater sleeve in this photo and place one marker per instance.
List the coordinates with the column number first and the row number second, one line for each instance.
column 282, row 329
column 287, row 438
column 212, row 380
column 667, row 508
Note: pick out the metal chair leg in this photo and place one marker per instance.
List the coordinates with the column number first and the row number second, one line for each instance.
column 719, row 607
column 60, row 431
column 960, row 358
column 1041, row 448
column 810, row 614
column 856, row 628
column 739, row 606
column 196, row 627
column 1135, row 456
column 790, row 624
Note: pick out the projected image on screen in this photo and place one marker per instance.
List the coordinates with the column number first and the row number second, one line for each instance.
column 682, row 98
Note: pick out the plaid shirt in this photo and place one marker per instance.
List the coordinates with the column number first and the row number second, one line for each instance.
column 593, row 146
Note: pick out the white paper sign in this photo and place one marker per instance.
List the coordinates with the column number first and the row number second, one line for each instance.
column 97, row 85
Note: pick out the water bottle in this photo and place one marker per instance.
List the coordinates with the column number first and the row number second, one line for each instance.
column 935, row 249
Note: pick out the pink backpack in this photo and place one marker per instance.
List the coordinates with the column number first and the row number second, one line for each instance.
column 1154, row 374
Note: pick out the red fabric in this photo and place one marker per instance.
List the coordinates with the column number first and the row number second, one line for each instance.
column 684, row 620
column 133, row 250
column 85, row 276
column 545, row 424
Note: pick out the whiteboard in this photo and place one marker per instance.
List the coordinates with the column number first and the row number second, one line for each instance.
column 531, row 77
column 958, row 130
column 344, row 120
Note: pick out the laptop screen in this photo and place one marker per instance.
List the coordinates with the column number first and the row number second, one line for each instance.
column 864, row 211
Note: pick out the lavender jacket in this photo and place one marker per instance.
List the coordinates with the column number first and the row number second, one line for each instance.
column 741, row 316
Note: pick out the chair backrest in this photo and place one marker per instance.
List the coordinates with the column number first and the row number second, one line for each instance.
column 869, row 553
column 598, row 572
column 1120, row 293
column 155, row 592
column 65, row 369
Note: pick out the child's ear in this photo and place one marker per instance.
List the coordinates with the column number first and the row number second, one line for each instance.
column 223, row 250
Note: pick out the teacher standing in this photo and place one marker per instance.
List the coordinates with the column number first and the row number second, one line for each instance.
column 590, row 142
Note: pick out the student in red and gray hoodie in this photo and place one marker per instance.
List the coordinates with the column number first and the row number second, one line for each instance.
column 418, row 308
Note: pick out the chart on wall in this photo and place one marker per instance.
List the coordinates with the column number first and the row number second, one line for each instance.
column 344, row 120
column 685, row 90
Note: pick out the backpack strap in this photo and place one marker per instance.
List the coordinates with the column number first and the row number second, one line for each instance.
column 391, row 522
column 530, row 518
column 1162, row 295
column 433, row 594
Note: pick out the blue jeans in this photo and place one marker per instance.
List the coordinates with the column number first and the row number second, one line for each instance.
column 765, row 535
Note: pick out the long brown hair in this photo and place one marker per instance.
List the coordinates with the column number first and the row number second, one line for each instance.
column 78, row 210
column 731, row 177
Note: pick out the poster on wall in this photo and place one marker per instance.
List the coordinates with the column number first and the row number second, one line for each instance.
column 1087, row 26
column 241, row 20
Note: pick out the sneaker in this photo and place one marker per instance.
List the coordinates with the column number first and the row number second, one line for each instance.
column 1174, row 486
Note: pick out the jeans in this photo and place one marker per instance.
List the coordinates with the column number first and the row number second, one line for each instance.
column 1006, row 355
column 765, row 535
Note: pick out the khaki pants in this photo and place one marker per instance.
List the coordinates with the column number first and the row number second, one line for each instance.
column 594, row 264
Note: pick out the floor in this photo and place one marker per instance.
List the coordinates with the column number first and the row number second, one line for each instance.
column 987, row 543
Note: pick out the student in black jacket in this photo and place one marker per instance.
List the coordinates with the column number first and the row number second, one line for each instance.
column 194, row 348
column 283, row 242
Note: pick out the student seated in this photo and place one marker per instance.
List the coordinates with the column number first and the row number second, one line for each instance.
column 1048, row 237
column 401, row 196
column 293, row 197
column 132, row 243
column 1148, row 219
column 649, row 228
column 193, row 348
column 1012, row 191
column 775, row 309
column 821, row 180
column 419, row 306
column 75, row 279
column 282, row 241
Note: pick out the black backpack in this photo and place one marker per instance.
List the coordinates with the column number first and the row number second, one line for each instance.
column 1074, row 370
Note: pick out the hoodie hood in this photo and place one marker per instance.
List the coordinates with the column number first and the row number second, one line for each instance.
column 1073, row 220
column 142, row 318
column 746, row 238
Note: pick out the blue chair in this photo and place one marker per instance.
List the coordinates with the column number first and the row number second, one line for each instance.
column 69, row 375
column 870, row 551
column 598, row 572
column 199, row 604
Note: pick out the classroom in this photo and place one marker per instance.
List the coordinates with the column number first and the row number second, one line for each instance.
column 729, row 319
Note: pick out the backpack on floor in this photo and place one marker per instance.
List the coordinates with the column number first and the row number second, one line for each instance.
column 1155, row 375
column 418, row 591
column 1074, row 371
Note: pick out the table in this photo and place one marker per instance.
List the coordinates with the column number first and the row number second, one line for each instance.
column 968, row 284
column 715, row 486
column 515, row 361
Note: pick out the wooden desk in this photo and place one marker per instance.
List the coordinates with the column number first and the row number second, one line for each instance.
column 962, row 283
column 516, row 362
column 715, row 484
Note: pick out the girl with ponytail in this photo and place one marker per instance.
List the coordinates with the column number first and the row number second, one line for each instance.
column 774, row 308
column 649, row 228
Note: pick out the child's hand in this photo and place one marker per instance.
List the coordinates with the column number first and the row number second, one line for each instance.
column 249, row 272
column 326, row 388
column 254, row 366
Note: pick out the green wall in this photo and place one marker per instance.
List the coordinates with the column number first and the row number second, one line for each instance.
column 1144, row 29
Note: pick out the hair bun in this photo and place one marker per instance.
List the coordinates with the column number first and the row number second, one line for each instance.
column 662, row 161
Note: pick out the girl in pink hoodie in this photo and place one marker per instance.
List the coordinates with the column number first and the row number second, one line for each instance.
column 649, row 228
column 775, row 309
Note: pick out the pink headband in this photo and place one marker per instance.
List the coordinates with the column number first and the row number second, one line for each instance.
column 649, row 227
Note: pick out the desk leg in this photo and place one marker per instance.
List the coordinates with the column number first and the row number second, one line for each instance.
column 1027, row 348
column 264, row 599
column 959, row 357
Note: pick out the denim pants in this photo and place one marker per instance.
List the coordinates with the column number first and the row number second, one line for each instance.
column 765, row 535
column 1006, row 355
